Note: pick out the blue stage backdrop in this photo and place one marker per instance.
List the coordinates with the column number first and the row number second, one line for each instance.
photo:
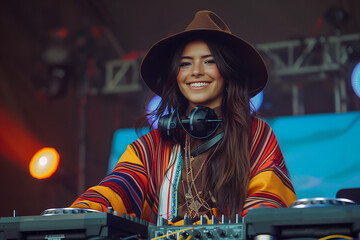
column 322, row 151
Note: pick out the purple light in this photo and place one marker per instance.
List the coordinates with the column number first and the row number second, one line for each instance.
column 257, row 100
column 155, row 101
column 153, row 104
column 355, row 79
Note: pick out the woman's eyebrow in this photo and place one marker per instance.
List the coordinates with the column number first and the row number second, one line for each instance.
column 206, row 56
column 189, row 57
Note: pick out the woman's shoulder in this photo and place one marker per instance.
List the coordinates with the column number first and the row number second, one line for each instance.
column 150, row 135
column 259, row 126
column 259, row 122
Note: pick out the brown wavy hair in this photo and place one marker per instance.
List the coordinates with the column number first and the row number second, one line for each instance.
column 227, row 173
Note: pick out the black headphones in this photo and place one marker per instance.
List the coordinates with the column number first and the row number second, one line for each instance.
column 201, row 123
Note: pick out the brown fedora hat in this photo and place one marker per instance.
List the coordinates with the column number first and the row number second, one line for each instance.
column 205, row 23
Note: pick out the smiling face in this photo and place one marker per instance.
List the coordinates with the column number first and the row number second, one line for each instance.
column 199, row 79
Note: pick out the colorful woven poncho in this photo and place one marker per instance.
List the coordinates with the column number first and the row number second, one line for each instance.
column 134, row 186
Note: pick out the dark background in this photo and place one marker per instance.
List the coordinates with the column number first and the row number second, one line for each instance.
column 96, row 32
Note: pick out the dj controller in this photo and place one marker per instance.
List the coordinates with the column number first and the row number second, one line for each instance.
column 317, row 218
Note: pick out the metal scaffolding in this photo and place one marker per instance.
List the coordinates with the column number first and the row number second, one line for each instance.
column 311, row 56
column 302, row 58
column 122, row 76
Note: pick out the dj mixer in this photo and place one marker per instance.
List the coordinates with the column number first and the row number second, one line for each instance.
column 305, row 219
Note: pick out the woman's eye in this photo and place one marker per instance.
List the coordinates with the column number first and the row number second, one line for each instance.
column 184, row 64
column 210, row 61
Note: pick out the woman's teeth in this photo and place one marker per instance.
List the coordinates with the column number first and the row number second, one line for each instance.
column 199, row 84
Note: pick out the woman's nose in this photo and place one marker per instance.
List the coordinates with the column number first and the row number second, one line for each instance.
column 198, row 69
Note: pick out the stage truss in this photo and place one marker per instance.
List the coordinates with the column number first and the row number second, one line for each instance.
column 308, row 59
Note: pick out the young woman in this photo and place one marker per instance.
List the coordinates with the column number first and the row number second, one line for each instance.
column 225, row 164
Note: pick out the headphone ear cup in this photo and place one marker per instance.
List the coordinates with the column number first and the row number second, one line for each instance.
column 168, row 126
column 199, row 123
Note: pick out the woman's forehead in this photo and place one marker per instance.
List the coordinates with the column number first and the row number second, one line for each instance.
column 196, row 48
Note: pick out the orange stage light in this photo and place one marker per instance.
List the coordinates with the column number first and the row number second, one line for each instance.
column 44, row 163
column 17, row 143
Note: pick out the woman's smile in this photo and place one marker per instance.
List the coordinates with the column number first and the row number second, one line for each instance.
column 198, row 84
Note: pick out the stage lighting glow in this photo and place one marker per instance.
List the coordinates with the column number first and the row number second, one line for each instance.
column 355, row 79
column 153, row 104
column 44, row 163
column 257, row 100
column 155, row 101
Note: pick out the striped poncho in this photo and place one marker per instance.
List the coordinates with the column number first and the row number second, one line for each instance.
column 134, row 185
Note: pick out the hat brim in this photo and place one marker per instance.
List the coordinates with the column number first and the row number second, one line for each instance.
column 159, row 56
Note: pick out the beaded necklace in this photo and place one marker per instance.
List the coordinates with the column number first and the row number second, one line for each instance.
column 193, row 198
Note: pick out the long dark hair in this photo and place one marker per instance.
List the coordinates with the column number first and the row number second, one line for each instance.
column 227, row 174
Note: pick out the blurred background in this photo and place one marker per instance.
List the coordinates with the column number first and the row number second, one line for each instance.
column 69, row 80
